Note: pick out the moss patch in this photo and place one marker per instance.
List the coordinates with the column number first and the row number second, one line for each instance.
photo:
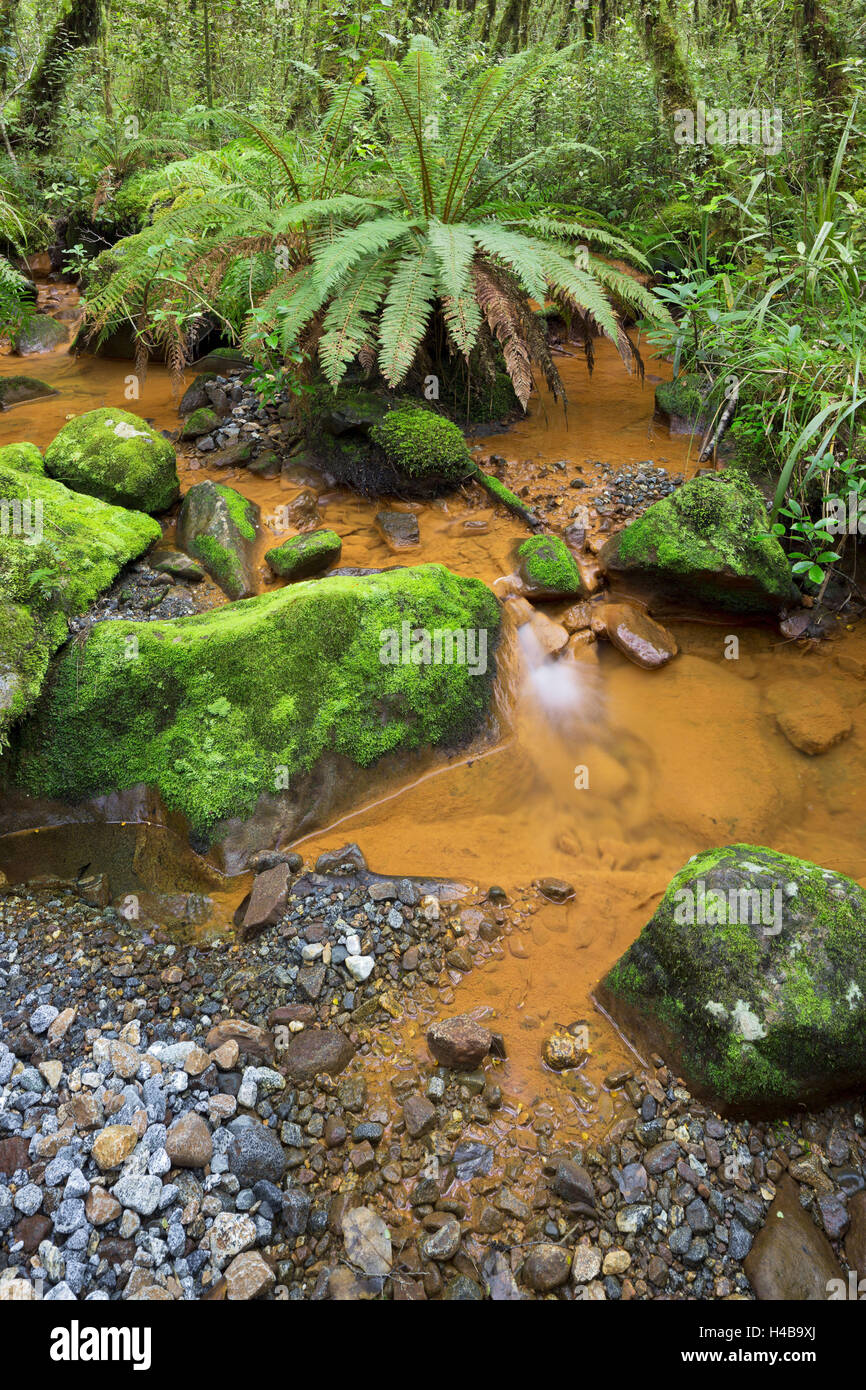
column 218, row 708
column 547, row 568
column 200, row 422
column 707, row 541
column 23, row 458
column 116, row 456
column 305, row 555
column 423, row 446
column 754, row 966
column 58, row 551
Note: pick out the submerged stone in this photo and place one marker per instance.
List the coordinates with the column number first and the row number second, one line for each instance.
column 115, row 456
column 708, row 542
column 14, row 390
column 752, row 976
column 645, row 642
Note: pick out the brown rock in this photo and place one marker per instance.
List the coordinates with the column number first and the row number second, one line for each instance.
column 316, row 1050
column 31, row 1230
column 855, row 1241
column 100, row 1207
column 459, row 1042
column 188, row 1142
column 556, row 889
column 196, row 1062
column 419, row 1116
column 248, row 1276
column 267, row 901
column 14, row 1154
column 637, row 635
column 791, row 1258
column 255, row 1041
column 226, row 1055
column 86, row 1110
column 562, row 1051
column 546, row 1267
column 61, row 1025
column 125, row 1060
column 113, row 1144
column 816, row 727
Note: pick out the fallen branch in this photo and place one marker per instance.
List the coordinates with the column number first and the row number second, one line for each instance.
column 502, row 494
column 725, row 419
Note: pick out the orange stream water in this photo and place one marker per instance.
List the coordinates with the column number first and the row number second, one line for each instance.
column 677, row 760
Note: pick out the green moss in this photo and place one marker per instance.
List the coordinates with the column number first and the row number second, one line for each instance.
column 709, row 540
column 240, row 509
column 305, row 555
column 297, row 674
column 201, row 421
column 58, row 551
column 801, row 977
column 116, row 456
column 423, row 445
column 687, row 398
column 24, row 458
column 15, row 389
column 547, row 566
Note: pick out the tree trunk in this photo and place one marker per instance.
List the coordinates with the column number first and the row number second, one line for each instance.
column 7, row 38
column 824, row 52
column 673, row 83
column 78, row 28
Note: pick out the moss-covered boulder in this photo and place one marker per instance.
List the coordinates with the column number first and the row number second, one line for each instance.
column 115, row 456
column 425, row 450
column 15, row 390
column 217, row 526
column 751, row 978
column 688, row 403
column 58, row 551
column 547, row 568
column 221, row 709
column 40, row 334
column 408, row 450
column 202, row 421
column 303, row 556
column 708, row 542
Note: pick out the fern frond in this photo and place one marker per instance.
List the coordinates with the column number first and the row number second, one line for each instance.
column 408, row 305
column 498, row 309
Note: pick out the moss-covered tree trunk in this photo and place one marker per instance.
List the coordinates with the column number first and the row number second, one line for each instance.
column 78, row 28
column 8, row 10
column 824, row 50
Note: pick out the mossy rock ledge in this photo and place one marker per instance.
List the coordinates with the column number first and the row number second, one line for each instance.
column 58, row 551
column 115, row 456
column 751, row 979
column 707, row 542
column 232, row 712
